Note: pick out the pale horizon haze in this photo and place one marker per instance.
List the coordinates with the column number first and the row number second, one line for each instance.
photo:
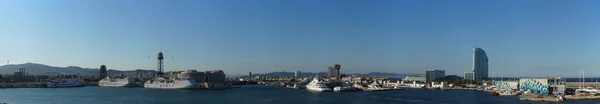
column 521, row 38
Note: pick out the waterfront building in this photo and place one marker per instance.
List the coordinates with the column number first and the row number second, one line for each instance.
column 535, row 85
column 558, row 85
column 434, row 75
column 452, row 77
column 172, row 74
column 543, row 86
column 330, row 71
column 439, row 84
column 469, row 76
column 334, row 72
column 480, row 64
column 20, row 75
column 213, row 79
column 297, row 74
column 103, row 72
column 199, row 77
column 506, row 85
column 414, row 78
column 336, row 69
column 215, row 76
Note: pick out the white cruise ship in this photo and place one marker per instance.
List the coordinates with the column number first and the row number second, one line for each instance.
column 58, row 83
column 162, row 83
column 117, row 82
column 317, row 85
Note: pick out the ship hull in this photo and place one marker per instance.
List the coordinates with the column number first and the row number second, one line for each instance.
column 170, row 86
column 116, row 85
column 48, row 85
column 318, row 89
column 65, row 83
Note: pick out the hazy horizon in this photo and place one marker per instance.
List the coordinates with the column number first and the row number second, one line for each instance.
column 521, row 38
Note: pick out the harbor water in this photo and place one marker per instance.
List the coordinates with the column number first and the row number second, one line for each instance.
column 252, row 94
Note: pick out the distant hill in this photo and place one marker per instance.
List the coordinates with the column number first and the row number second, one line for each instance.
column 38, row 69
column 371, row 74
column 41, row 69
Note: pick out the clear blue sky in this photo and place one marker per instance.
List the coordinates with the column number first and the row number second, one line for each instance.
column 521, row 38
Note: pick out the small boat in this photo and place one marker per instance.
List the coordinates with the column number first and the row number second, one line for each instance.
column 338, row 88
column 299, row 86
column 495, row 93
column 508, row 93
column 344, row 88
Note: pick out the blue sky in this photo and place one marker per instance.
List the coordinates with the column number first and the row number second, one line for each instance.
column 521, row 38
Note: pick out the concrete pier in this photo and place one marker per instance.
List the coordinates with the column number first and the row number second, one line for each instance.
column 582, row 97
column 584, row 84
column 35, row 84
column 23, row 85
column 542, row 99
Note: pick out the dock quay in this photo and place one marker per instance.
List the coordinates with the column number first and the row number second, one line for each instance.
column 23, row 85
column 582, row 97
column 542, row 98
column 35, row 84
column 579, row 84
column 383, row 89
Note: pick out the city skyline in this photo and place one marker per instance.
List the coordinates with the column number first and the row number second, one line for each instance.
column 536, row 39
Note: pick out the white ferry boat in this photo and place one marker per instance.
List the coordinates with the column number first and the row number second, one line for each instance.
column 162, row 83
column 317, row 85
column 117, row 82
column 58, row 83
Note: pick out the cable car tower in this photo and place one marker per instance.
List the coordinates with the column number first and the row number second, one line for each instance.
column 160, row 65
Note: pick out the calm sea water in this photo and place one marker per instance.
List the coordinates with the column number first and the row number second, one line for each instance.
column 254, row 94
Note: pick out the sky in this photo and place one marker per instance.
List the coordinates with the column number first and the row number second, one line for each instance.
column 521, row 38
